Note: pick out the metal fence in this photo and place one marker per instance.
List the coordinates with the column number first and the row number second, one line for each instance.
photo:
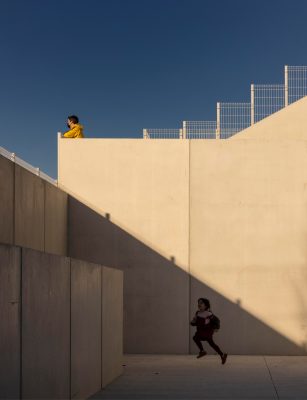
column 199, row 129
column 266, row 100
column 162, row 133
column 232, row 118
column 27, row 166
column 295, row 83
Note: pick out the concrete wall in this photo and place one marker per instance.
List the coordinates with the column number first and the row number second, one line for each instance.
column 136, row 187
column 7, row 169
column 86, row 356
column 10, row 322
column 223, row 219
column 112, row 327
column 52, row 339
column 45, row 326
column 33, row 213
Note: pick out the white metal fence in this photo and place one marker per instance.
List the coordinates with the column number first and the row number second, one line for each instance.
column 232, row 118
column 27, row 166
column 266, row 100
column 200, row 129
column 295, row 82
column 162, row 133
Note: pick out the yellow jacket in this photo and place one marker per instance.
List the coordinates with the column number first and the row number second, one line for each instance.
column 75, row 133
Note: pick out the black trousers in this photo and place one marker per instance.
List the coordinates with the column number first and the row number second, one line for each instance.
column 198, row 339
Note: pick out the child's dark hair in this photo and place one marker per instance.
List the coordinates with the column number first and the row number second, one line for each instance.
column 205, row 301
column 73, row 118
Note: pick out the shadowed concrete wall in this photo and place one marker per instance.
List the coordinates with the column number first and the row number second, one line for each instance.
column 69, row 310
column 7, row 171
column 33, row 213
column 231, row 213
column 10, row 322
column 86, row 328
column 45, row 325
column 112, row 327
column 29, row 209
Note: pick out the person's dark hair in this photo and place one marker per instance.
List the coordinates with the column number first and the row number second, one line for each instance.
column 205, row 301
column 73, row 118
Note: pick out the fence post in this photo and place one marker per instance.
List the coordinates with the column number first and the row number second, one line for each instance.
column 184, row 129
column 145, row 134
column 286, row 86
column 252, row 104
column 218, row 121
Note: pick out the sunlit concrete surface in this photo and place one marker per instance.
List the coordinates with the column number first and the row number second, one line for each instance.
column 185, row 377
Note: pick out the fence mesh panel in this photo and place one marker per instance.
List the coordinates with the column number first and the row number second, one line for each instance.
column 267, row 100
column 234, row 117
column 201, row 129
column 297, row 83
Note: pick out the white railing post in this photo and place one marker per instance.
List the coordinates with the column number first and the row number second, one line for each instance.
column 13, row 157
column 218, row 121
column 286, row 86
column 37, row 171
column 252, row 104
column 184, row 129
column 180, row 133
column 145, row 134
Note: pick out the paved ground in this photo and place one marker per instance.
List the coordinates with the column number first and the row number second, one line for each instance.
column 185, row 377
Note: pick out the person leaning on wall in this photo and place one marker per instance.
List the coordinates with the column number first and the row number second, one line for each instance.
column 75, row 129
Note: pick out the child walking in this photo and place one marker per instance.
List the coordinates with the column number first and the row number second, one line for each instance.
column 204, row 330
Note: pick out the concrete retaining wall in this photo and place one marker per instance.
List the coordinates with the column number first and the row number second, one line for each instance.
column 53, row 343
column 33, row 213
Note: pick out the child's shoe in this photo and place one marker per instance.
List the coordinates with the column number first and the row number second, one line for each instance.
column 201, row 354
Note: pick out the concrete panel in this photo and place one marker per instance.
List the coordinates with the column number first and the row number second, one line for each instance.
column 112, row 324
column 29, row 209
column 55, row 220
column 85, row 329
column 154, row 287
column 248, row 241
column 137, row 194
column 6, row 201
column 45, row 326
column 10, row 322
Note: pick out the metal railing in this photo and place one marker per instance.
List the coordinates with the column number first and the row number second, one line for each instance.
column 295, row 83
column 232, row 118
column 36, row 171
column 199, row 129
column 162, row 133
column 266, row 100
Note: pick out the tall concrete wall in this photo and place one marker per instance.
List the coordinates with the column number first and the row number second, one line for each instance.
column 223, row 219
column 137, row 188
column 51, row 341
column 33, row 213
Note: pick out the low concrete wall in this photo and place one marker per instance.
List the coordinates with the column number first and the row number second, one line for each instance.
column 61, row 333
column 45, row 325
column 33, row 213
column 86, row 332
column 10, row 322
column 112, row 327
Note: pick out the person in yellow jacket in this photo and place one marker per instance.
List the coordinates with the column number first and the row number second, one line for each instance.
column 75, row 129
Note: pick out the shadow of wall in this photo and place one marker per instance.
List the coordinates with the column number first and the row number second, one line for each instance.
column 160, row 298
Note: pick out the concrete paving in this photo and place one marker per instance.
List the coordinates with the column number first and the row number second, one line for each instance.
column 185, row 377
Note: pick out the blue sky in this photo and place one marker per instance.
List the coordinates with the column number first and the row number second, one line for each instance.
column 123, row 65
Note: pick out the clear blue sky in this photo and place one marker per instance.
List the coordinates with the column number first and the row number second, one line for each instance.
column 123, row 65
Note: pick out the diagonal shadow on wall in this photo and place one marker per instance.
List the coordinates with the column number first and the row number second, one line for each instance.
column 160, row 297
